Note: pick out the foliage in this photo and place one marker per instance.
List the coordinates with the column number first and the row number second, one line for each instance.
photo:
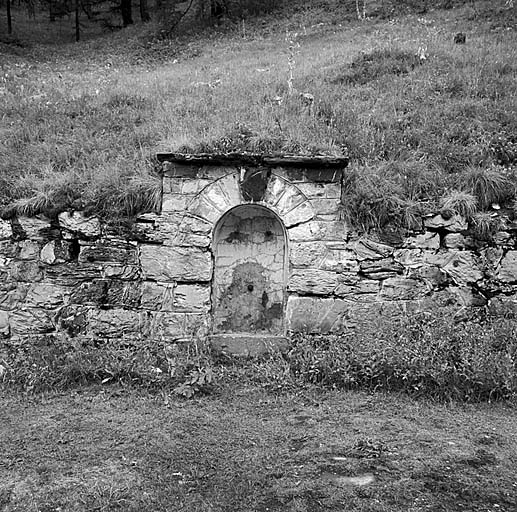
column 59, row 362
column 421, row 356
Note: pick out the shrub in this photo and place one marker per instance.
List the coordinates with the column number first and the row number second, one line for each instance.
column 420, row 356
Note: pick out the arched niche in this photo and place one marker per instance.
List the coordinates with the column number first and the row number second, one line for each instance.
column 249, row 245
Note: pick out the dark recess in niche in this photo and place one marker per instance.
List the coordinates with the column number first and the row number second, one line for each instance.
column 254, row 184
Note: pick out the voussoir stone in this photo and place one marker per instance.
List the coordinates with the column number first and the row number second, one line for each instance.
column 175, row 263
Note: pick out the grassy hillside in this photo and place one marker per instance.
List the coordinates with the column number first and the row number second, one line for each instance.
column 426, row 122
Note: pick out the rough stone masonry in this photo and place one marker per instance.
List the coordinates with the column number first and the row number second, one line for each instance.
column 245, row 249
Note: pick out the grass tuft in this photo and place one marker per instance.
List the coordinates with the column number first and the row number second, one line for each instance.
column 460, row 203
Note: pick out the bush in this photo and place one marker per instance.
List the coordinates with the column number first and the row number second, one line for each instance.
column 437, row 359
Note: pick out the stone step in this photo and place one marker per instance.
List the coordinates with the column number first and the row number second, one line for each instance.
column 247, row 344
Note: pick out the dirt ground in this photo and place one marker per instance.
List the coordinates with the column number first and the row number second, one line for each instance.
column 247, row 449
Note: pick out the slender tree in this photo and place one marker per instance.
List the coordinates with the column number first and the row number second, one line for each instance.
column 9, row 20
column 77, row 28
column 126, row 11
column 144, row 11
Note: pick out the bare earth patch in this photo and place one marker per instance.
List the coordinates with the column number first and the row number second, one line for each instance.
column 105, row 448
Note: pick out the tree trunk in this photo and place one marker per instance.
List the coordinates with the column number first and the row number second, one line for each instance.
column 125, row 10
column 144, row 11
column 77, row 29
column 9, row 20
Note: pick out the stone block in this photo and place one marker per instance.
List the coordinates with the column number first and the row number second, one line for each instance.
column 32, row 227
column 339, row 260
column 362, row 290
column 321, row 190
column 170, row 264
column 14, row 297
column 25, row 271
column 169, row 326
column 454, row 241
column 307, row 232
column 313, row 281
column 28, row 250
column 289, row 200
column 323, row 175
column 176, row 202
column 507, row 271
column 47, row 295
column 302, row 213
column 117, row 323
column 456, row 223
column 29, row 321
column 6, row 231
column 56, row 251
column 324, row 206
column 326, row 315
column 367, row 249
column 118, row 271
column 4, row 324
column 192, row 187
column 275, row 190
column 72, row 274
column 230, row 188
column 109, row 251
column 462, row 267
column 192, row 297
column 202, row 207
column 175, row 170
column 409, row 258
column 157, row 296
column 73, row 319
column 381, row 265
column 402, row 288
column 428, row 240
column 80, row 224
column 307, row 254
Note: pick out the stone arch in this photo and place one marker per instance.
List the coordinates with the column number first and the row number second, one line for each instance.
column 249, row 286
column 281, row 196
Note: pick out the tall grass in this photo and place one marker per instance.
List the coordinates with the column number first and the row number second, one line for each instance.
column 434, row 123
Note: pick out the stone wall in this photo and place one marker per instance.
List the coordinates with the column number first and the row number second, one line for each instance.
column 77, row 276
